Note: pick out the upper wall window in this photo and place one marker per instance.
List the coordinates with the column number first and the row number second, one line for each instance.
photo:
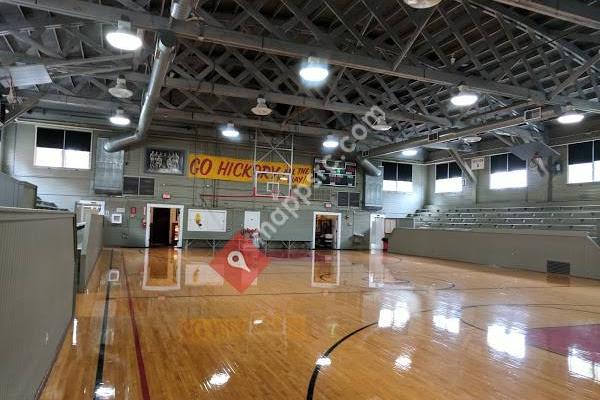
column 62, row 148
column 584, row 162
column 507, row 171
column 448, row 178
column 397, row 177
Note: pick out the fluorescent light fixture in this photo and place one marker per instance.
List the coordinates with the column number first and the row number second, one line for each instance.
column 409, row 152
column 314, row 70
column 570, row 117
column 420, row 4
column 124, row 38
column 230, row 131
column 464, row 99
column 331, row 142
column 119, row 118
column 471, row 139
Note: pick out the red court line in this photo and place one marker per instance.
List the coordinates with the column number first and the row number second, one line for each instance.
column 136, row 339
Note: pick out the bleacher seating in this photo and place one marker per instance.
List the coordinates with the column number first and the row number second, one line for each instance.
column 584, row 218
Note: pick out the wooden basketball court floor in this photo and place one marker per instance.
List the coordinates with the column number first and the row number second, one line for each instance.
column 328, row 325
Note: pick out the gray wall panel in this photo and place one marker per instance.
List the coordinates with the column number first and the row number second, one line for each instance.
column 507, row 248
column 37, row 267
column 91, row 247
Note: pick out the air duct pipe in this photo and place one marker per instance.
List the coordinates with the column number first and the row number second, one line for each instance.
column 368, row 167
column 166, row 44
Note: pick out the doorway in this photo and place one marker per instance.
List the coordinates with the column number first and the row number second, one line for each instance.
column 327, row 227
column 376, row 231
column 163, row 227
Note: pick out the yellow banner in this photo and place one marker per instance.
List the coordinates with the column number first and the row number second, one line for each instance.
column 240, row 170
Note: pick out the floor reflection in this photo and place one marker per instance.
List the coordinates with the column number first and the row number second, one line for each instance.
column 325, row 269
column 507, row 340
column 162, row 273
column 580, row 365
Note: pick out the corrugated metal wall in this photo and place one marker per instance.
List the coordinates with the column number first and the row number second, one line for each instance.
column 37, row 266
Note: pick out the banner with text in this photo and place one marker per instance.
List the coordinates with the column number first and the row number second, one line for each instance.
column 240, row 170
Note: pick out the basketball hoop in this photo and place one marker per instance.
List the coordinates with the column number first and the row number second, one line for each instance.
column 275, row 193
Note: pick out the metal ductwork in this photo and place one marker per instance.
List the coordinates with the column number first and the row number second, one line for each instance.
column 369, row 168
column 166, row 44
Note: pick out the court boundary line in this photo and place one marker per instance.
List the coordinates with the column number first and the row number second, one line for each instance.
column 315, row 374
column 136, row 338
column 102, row 346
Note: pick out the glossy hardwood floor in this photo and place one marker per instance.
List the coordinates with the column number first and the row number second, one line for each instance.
column 328, row 325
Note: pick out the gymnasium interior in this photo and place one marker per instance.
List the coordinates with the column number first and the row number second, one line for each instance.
column 299, row 199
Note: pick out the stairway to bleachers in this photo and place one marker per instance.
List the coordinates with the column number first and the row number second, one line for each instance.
column 584, row 218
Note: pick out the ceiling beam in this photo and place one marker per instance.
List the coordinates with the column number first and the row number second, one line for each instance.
column 167, row 114
column 227, row 37
column 568, row 10
column 392, row 148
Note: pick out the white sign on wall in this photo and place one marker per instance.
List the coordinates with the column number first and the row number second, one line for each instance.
column 207, row 220
column 251, row 219
column 477, row 163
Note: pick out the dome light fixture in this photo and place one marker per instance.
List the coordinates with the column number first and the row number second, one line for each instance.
column 230, row 131
column 261, row 108
column 124, row 38
column 570, row 117
column 422, row 3
column 314, row 71
column 331, row 142
column 464, row 98
column 381, row 125
column 119, row 118
column 471, row 139
column 409, row 152
column 120, row 90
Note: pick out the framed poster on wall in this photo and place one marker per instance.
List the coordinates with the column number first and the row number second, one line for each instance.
column 164, row 161
column 207, row 220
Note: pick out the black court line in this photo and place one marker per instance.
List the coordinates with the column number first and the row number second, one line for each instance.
column 102, row 347
column 316, row 370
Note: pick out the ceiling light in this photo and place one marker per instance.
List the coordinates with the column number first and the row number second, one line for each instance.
column 124, row 38
column 381, row 125
column 570, row 117
column 120, row 118
column 422, row 3
column 120, row 90
column 464, row 98
column 331, row 142
column 230, row 131
column 409, row 152
column 471, row 139
column 261, row 107
column 314, row 70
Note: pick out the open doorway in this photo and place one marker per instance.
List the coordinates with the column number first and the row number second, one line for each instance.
column 326, row 230
column 163, row 227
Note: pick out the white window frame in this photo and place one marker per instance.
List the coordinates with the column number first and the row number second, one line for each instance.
column 592, row 165
column 438, row 182
column 507, row 173
column 397, row 190
column 64, row 128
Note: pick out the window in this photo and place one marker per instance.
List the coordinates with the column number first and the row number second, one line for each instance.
column 397, row 177
column 507, row 171
column 62, row 148
column 138, row 186
column 448, row 178
column 584, row 162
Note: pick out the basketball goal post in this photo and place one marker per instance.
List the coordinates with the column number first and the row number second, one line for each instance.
column 268, row 183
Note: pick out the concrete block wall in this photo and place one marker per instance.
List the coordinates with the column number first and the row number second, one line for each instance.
column 64, row 187
column 539, row 190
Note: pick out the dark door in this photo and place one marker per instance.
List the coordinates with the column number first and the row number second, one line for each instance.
column 159, row 229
